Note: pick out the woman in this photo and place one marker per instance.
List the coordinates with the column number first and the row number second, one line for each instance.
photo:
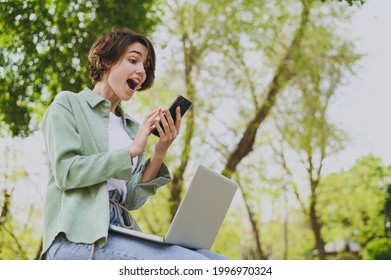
column 97, row 165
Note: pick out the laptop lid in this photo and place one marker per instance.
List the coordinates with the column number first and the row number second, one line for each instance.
column 202, row 209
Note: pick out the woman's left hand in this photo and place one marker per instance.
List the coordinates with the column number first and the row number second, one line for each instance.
column 168, row 131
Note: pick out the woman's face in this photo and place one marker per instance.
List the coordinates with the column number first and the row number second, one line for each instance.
column 125, row 77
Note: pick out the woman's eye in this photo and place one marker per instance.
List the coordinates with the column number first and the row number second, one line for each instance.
column 133, row 61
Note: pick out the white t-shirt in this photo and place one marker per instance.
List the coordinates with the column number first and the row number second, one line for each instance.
column 118, row 138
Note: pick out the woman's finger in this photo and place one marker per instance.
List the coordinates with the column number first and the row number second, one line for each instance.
column 169, row 118
column 164, row 122
column 171, row 123
column 152, row 116
column 159, row 128
column 178, row 119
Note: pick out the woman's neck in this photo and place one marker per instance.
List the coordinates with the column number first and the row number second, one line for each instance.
column 105, row 91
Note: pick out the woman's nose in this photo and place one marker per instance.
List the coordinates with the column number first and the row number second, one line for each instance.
column 140, row 70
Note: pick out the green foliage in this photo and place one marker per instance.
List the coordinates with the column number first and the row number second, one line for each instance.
column 44, row 46
column 18, row 240
column 378, row 249
column 351, row 203
column 228, row 241
column 154, row 216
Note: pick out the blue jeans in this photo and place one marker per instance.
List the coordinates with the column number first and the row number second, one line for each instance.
column 121, row 247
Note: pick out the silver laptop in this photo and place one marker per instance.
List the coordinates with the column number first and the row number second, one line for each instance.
column 200, row 213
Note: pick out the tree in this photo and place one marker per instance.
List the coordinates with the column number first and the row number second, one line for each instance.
column 44, row 47
column 325, row 62
column 193, row 30
column 282, row 75
column 204, row 29
column 284, row 72
column 351, row 202
column 378, row 249
column 291, row 70
column 205, row 38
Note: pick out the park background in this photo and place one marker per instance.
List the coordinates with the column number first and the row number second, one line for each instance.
column 290, row 100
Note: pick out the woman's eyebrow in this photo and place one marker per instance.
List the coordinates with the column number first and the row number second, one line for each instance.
column 137, row 52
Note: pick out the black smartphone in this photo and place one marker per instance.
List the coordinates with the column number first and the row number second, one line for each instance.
column 180, row 101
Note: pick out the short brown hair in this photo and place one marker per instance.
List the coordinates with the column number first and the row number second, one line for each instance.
column 111, row 47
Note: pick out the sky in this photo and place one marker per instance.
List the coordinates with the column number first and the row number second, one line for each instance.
column 363, row 108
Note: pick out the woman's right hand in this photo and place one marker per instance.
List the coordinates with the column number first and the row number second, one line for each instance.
column 144, row 130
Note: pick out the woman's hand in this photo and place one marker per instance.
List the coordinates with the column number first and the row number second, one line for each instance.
column 144, row 130
column 167, row 136
column 168, row 131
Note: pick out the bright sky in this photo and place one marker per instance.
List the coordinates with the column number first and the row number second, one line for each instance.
column 363, row 110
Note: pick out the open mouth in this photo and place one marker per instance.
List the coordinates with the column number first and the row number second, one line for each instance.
column 132, row 84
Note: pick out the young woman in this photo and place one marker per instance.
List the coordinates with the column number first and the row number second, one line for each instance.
column 97, row 165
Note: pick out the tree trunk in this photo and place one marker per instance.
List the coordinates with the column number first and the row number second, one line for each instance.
column 286, row 228
column 315, row 224
column 4, row 216
column 177, row 181
column 254, row 226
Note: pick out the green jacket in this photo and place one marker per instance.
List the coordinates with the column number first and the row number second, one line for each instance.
column 75, row 129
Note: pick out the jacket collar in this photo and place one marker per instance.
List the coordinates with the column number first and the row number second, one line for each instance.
column 94, row 99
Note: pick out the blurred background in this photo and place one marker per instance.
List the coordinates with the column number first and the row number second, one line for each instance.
column 290, row 99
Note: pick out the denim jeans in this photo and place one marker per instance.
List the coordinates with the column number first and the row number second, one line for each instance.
column 121, row 247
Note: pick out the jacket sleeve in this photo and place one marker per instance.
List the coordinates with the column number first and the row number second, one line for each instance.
column 138, row 193
column 70, row 168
